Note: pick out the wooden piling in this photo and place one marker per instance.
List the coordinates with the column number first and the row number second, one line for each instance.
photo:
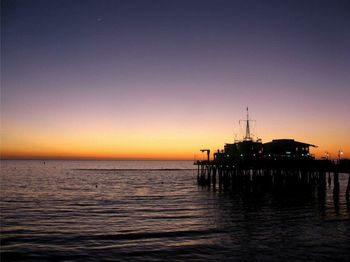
column 273, row 177
column 336, row 183
column 347, row 193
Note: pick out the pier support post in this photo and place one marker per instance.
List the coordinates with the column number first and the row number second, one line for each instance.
column 214, row 177
column 347, row 193
column 329, row 179
column 220, row 176
column 322, row 185
column 209, row 168
column 198, row 173
column 336, row 183
column 336, row 192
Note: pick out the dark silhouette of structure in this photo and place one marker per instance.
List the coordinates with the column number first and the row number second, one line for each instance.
column 249, row 149
column 208, row 153
column 287, row 148
column 282, row 165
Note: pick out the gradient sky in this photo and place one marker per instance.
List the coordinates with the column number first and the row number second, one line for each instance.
column 163, row 79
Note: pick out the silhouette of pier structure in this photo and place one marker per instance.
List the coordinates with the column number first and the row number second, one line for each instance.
column 282, row 166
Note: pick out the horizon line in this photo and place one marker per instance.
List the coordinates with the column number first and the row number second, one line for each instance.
column 47, row 158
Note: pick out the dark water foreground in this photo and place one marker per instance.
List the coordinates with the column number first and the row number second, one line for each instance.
column 95, row 210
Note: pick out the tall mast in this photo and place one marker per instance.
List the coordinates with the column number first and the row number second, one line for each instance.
column 247, row 130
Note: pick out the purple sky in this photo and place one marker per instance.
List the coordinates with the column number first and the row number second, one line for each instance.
column 121, row 70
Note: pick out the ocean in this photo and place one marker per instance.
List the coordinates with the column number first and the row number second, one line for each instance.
column 155, row 211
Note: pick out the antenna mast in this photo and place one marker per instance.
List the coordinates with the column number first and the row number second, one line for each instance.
column 247, row 130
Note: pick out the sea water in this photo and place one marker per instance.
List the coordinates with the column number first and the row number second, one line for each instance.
column 155, row 211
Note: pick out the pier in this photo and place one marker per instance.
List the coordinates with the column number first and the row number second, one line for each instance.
column 275, row 176
column 282, row 167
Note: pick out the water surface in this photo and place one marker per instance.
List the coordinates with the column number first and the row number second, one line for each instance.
column 154, row 211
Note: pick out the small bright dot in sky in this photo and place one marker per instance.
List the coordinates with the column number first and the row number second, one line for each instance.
column 162, row 79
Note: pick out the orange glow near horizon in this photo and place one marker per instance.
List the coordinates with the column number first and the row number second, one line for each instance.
column 163, row 141
column 145, row 153
column 150, row 81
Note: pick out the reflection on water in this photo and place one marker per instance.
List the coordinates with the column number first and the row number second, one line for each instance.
column 58, row 211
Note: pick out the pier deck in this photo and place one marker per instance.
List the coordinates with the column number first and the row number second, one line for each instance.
column 284, row 175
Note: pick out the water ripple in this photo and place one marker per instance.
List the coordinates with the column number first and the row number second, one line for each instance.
column 142, row 211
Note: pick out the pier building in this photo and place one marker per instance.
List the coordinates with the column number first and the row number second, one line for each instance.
column 287, row 148
column 249, row 149
column 282, row 165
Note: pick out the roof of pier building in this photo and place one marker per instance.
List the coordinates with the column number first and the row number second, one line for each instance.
column 287, row 147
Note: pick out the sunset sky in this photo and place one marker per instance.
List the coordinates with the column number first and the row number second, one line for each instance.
column 163, row 79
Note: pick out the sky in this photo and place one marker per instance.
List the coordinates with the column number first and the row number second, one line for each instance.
column 163, row 79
